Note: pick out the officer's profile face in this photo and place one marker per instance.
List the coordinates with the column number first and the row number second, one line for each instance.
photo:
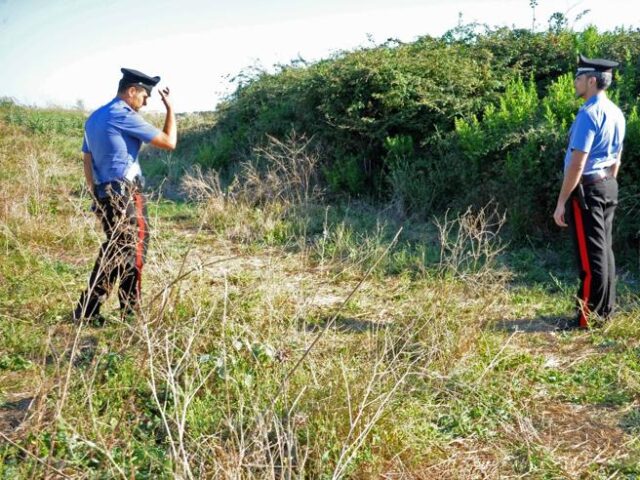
column 136, row 97
column 139, row 99
column 580, row 84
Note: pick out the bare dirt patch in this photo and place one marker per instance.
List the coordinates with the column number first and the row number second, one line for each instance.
column 464, row 459
column 579, row 436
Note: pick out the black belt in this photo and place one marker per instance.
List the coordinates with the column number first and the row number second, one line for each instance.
column 118, row 187
column 596, row 177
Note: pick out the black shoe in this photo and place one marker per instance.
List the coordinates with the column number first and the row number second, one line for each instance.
column 86, row 309
column 77, row 314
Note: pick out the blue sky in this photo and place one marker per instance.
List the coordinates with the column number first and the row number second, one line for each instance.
column 61, row 51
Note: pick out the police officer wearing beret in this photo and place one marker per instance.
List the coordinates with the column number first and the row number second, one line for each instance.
column 112, row 139
column 589, row 193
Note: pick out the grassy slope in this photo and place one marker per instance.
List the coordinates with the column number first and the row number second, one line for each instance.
column 431, row 370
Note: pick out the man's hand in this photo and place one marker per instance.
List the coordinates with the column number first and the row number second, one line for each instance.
column 164, row 96
column 558, row 215
column 571, row 179
column 168, row 138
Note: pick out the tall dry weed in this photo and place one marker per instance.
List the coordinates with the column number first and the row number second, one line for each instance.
column 271, row 192
column 470, row 246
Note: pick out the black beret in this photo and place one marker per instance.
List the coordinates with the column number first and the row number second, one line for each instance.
column 134, row 77
column 586, row 65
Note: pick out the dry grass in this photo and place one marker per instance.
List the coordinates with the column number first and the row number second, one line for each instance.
column 253, row 359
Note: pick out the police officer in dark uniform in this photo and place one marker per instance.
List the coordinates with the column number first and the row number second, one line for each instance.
column 589, row 193
column 113, row 136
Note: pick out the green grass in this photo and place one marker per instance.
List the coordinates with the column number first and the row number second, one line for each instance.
column 599, row 381
column 419, row 373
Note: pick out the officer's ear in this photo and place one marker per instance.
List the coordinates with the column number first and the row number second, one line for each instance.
column 132, row 90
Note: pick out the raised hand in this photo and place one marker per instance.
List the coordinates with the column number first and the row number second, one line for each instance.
column 164, row 96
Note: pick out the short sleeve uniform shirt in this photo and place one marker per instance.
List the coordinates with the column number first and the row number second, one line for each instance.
column 598, row 130
column 113, row 135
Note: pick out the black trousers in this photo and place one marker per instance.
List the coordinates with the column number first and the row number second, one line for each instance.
column 591, row 231
column 124, row 220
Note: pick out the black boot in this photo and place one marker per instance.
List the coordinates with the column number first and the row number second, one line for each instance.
column 87, row 308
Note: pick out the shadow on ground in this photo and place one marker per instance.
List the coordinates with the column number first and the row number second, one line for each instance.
column 533, row 325
column 12, row 414
column 630, row 423
column 345, row 325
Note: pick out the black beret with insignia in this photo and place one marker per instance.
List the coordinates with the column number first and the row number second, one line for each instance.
column 134, row 77
column 586, row 65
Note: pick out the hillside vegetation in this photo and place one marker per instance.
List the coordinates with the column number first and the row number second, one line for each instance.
column 291, row 331
column 441, row 122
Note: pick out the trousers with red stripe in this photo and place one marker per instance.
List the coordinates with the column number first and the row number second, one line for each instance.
column 591, row 231
column 124, row 220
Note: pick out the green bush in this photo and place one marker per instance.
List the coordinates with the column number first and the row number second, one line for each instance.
column 440, row 122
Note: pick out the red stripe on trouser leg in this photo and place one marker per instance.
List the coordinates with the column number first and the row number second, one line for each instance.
column 584, row 260
column 139, row 243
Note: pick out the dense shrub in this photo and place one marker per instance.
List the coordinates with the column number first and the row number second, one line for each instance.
column 440, row 122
